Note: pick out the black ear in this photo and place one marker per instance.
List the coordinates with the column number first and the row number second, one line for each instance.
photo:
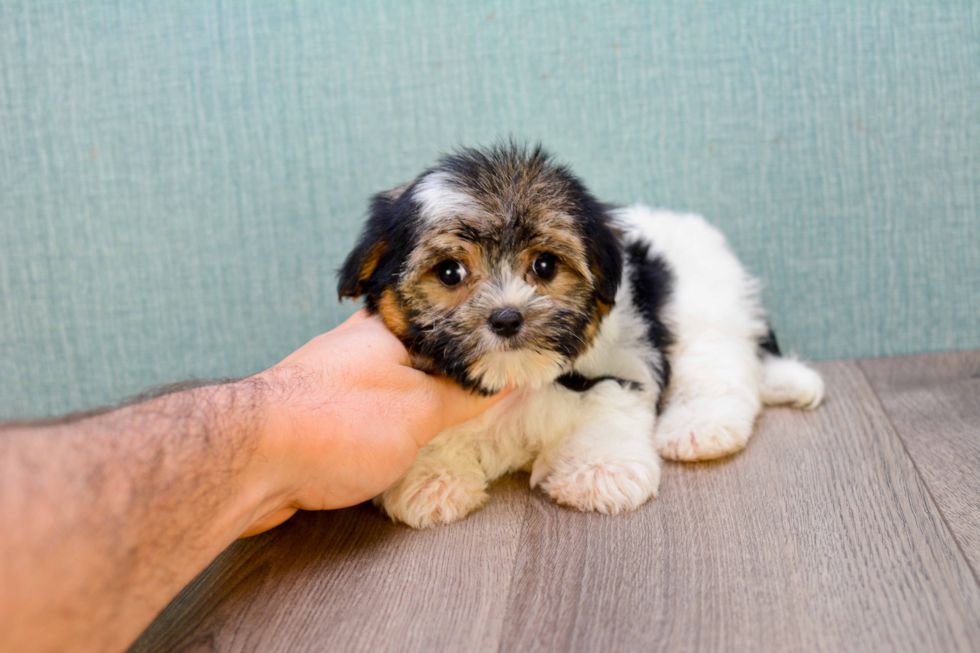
column 604, row 249
column 364, row 258
column 372, row 260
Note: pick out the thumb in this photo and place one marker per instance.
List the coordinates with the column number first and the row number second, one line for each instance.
column 459, row 405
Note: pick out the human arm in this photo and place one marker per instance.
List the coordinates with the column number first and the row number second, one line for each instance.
column 106, row 518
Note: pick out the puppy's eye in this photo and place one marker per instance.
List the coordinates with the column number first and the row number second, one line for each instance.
column 451, row 272
column 545, row 266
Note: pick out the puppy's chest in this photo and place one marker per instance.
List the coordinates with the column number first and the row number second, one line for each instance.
column 529, row 419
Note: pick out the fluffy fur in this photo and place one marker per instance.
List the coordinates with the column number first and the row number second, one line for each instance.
column 646, row 338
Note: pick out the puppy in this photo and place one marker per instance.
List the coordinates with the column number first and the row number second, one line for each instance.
column 626, row 333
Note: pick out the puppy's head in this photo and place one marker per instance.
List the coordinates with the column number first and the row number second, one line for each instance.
column 494, row 268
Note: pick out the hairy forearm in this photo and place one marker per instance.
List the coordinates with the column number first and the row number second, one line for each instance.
column 105, row 519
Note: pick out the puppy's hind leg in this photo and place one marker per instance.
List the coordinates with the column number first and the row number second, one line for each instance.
column 713, row 397
column 786, row 381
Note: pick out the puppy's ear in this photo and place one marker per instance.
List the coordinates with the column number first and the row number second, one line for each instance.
column 604, row 249
column 354, row 278
column 363, row 260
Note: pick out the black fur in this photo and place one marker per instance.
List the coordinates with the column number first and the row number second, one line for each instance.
column 447, row 354
column 605, row 251
column 651, row 283
column 394, row 223
column 474, row 169
column 769, row 344
column 578, row 383
column 515, row 178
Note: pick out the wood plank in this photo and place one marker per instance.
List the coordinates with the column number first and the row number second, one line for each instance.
column 350, row 580
column 921, row 371
column 819, row 537
column 934, row 404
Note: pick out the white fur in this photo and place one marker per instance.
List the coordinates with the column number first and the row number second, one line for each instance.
column 440, row 199
column 525, row 368
column 498, row 366
column 788, row 381
column 598, row 450
column 513, row 291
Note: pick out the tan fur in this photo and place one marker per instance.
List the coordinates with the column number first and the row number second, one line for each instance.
column 495, row 220
column 371, row 260
column 393, row 314
column 395, row 193
column 424, row 292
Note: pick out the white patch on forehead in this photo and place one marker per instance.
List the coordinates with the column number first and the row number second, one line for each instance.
column 440, row 200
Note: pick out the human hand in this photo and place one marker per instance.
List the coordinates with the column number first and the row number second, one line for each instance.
column 169, row 482
column 345, row 415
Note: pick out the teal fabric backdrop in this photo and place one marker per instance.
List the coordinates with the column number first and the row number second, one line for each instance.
column 179, row 180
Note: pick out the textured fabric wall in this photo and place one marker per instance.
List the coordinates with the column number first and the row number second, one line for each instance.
column 179, row 180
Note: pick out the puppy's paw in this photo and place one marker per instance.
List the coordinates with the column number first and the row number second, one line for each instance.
column 610, row 486
column 786, row 381
column 703, row 429
column 422, row 499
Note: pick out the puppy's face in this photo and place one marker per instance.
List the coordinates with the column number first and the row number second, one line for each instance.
column 493, row 268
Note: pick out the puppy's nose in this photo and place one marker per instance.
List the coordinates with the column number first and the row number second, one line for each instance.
column 505, row 322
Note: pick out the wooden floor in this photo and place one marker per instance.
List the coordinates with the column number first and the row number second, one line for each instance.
column 852, row 528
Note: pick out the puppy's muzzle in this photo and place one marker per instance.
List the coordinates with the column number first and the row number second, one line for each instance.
column 505, row 322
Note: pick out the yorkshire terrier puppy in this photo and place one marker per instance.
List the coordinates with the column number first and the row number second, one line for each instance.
column 626, row 333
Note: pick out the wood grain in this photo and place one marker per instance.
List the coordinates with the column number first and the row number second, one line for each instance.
column 934, row 404
column 350, row 580
column 819, row 537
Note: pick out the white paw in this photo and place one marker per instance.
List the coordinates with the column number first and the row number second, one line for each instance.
column 609, row 487
column 702, row 429
column 786, row 381
column 422, row 499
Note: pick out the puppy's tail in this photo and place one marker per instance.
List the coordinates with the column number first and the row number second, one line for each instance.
column 787, row 381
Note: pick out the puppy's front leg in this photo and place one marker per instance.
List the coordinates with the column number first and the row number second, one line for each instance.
column 607, row 463
column 714, row 396
column 443, row 485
